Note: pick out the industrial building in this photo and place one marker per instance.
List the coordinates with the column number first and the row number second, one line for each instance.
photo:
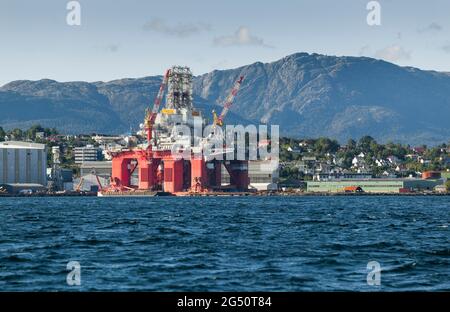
column 21, row 188
column 100, row 168
column 89, row 183
column 373, row 185
column 263, row 175
column 333, row 176
column 23, row 163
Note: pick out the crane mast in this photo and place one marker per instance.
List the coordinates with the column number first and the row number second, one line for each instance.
column 150, row 116
column 218, row 120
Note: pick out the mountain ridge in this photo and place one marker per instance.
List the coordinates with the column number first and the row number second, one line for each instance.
column 308, row 95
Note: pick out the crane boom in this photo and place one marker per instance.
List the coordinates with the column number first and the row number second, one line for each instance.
column 160, row 95
column 150, row 116
column 228, row 102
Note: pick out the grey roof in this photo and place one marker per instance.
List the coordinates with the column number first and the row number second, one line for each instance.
column 20, row 144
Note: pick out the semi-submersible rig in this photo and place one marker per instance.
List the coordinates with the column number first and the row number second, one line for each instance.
column 158, row 169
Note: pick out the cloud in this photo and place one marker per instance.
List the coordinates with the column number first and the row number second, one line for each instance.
column 433, row 27
column 242, row 37
column 393, row 53
column 113, row 48
column 364, row 51
column 180, row 30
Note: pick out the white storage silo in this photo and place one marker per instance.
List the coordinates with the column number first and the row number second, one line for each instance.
column 23, row 162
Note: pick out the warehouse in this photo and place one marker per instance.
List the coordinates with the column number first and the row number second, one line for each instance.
column 21, row 188
column 373, row 185
column 100, row 168
column 23, row 162
column 263, row 175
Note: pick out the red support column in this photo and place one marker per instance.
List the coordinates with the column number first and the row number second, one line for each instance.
column 198, row 173
column 120, row 173
column 173, row 175
column 146, row 174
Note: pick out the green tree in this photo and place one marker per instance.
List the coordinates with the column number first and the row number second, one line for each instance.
column 2, row 134
column 366, row 142
column 17, row 134
column 50, row 131
column 325, row 145
column 31, row 132
column 351, row 144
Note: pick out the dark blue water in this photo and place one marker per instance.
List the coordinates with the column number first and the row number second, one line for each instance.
column 222, row 244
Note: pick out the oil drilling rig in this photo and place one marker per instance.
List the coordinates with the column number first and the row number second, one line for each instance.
column 157, row 166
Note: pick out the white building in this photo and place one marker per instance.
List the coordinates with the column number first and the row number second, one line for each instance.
column 23, row 162
column 393, row 159
column 86, row 153
column 294, row 150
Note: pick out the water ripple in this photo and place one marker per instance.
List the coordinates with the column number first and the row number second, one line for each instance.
column 222, row 244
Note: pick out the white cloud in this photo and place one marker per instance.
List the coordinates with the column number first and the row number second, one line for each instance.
column 393, row 53
column 180, row 30
column 433, row 27
column 242, row 37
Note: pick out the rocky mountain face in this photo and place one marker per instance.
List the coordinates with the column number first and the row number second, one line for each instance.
column 308, row 95
column 70, row 107
column 339, row 97
column 80, row 107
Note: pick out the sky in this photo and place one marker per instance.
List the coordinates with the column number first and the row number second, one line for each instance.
column 136, row 38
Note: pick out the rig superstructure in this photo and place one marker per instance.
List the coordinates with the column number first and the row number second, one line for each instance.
column 158, row 167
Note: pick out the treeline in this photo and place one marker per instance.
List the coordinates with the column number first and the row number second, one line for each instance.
column 24, row 135
column 325, row 148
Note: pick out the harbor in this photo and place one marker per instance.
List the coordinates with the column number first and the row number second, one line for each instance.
column 179, row 151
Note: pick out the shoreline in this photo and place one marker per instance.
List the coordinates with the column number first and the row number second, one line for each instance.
column 289, row 194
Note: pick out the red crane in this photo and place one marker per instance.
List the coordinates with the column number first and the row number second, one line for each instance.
column 218, row 120
column 150, row 116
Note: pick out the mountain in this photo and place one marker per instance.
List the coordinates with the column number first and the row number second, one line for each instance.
column 68, row 106
column 340, row 97
column 81, row 107
column 308, row 95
